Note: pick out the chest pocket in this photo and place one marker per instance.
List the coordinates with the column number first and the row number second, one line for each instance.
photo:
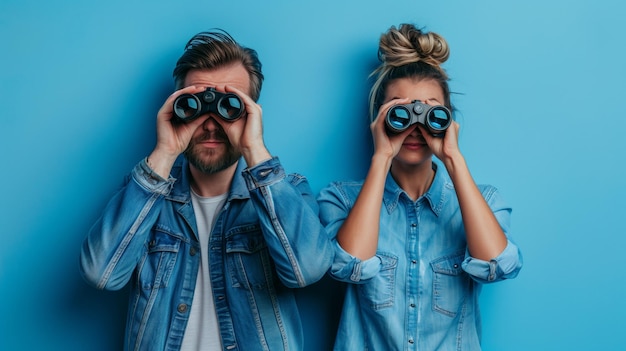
column 157, row 267
column 451, row 285
column 379, row 291
column 248, row 261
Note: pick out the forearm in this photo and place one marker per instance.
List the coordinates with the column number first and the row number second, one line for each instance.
column 485, row 238
column 358, row 234
column 117, row 240
column 288, row 213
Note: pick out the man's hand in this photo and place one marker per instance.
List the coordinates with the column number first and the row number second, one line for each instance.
column 246, row 134
column 172, row 137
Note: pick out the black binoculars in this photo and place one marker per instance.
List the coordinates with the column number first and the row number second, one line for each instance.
column 228, row 106
column 436, row 119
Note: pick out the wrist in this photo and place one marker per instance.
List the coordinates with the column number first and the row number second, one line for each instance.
column 454, row 163
column 254, row 156
column 382, row 161
column 161, row 163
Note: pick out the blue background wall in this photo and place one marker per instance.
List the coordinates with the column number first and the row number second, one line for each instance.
column 541, row 83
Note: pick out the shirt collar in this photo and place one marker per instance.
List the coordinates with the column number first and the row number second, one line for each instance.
column 435, row 197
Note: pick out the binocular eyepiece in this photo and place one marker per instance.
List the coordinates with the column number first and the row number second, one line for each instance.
column 228, row 106
column 436, row 119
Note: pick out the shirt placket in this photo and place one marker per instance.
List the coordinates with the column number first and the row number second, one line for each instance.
column 413, row 268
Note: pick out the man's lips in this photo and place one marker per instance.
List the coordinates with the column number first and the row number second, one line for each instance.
column 210, row 142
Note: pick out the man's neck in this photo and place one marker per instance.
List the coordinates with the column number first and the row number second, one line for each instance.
column 214, row 184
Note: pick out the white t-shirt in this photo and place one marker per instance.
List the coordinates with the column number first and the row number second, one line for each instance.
column 202, row 332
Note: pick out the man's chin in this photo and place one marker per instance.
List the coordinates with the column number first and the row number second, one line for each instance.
column 211, row 164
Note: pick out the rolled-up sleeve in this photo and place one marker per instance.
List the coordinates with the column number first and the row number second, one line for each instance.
column 509, row 262
column 505, row 266
column 350, row 269
column 335, row 204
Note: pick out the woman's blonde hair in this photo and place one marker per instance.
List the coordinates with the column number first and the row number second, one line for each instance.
column 409, row 52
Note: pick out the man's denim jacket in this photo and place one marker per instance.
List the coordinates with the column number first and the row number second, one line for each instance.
column 266, row 240
column 421, row 289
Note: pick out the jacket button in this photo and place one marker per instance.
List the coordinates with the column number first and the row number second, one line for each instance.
column 182, row 308
column 192, row 251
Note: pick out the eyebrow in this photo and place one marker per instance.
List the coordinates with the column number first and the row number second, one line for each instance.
column 431, row 98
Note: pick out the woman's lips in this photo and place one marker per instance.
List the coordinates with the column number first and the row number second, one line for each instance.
column 413, row 145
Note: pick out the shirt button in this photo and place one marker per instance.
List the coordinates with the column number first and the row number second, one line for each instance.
column 414, row 261
column 412, row 305
column 413, row 225
column 411, row 341
column 192, row 251
column 182, row 308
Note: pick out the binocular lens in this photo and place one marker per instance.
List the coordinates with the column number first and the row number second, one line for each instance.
column 230, row 107
column 227, row 106
column 399, row 117
column 438, row 118
column 186, row 106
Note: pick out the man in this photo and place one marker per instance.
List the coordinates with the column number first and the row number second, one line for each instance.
column 211, row 242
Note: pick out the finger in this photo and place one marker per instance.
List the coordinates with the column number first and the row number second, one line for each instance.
column 426, row 135
column 252, row 108
column 384, row 108
column 168, row 105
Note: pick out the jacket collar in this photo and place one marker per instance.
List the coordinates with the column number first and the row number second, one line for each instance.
column 181, row 190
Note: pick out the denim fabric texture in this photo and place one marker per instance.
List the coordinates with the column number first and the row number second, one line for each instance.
column 421, row 290
column 266, row 240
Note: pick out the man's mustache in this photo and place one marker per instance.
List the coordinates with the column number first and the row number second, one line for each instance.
column 216, row 135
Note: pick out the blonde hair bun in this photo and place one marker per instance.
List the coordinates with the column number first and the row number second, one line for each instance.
column 408, row 44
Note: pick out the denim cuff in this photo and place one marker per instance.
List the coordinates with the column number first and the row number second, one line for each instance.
column 264, row 174
column 350, row 269
column 150, row 180
column 505, row 266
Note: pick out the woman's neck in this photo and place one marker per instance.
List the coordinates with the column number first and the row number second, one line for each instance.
column 415, row 180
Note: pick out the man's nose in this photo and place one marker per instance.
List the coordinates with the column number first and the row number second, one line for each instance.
column 210, row 124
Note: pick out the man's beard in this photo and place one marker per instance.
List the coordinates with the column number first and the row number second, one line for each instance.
column 210, row 166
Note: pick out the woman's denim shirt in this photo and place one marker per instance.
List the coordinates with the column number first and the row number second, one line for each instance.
column 420, row 291
column 266, row 240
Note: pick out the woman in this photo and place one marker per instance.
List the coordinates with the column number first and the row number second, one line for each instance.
column 416, row 239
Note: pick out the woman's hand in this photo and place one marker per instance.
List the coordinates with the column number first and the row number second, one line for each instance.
column 444, row 148
column 385, row 143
